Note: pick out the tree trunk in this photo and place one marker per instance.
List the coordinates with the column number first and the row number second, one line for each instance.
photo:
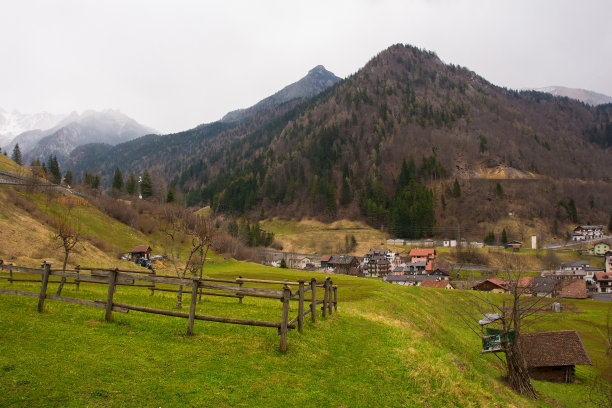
column 61, row 285
column 179, row 298
column 518, row 375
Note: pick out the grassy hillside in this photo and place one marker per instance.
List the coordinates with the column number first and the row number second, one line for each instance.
column 387, row 346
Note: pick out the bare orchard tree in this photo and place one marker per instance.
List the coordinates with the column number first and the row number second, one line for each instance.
column 68, row 233
column 516, row 312
column 181, row 225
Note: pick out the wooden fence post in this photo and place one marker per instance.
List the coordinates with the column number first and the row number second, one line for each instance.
column 330, row 303
column 77, row 280
column 240, row 284
column 325, row 296
column 11, row 276
column 300, row 321
column 335, row 298
column 43, row 288
column 313, row 305
column 153, row 284
column 112, row 280
column 192, row 306
column 285, row 318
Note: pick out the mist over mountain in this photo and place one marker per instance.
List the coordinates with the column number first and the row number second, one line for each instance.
column 14, row 123
column 583, row 95
column 317, row 80
column 108, row 126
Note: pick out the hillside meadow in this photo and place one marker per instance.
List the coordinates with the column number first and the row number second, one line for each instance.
column 387, row 346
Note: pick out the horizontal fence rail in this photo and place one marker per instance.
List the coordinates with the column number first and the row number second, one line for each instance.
column 196, row 287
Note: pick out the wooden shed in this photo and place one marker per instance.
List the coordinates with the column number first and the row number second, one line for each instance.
column 552, row 356
column 140, row 251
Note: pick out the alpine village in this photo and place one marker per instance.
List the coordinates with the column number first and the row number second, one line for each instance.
column 411, row 235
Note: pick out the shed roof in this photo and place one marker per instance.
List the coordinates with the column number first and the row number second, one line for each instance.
column 141, row 248
column 551, row 349
column 422, row 252
column 574, row 289
column 325, row 258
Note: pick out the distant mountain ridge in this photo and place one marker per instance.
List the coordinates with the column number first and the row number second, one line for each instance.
column 589, row 97
column 14, row 123
column 317, row 80
column 108, row 126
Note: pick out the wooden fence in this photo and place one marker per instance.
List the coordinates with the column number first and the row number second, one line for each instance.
column 198, row 286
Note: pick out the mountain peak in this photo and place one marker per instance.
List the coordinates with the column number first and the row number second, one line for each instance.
column 318, row 79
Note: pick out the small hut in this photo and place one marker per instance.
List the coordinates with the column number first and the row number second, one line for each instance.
column 140, row 251
column 552, row 356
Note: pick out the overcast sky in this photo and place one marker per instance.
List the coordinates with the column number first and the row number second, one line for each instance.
column 173, row 65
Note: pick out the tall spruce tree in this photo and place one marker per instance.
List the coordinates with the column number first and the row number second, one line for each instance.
column 130, row 184
column 17, row 155
column 54, row 170
column 146, row 185
column 68, row 177
column 117, row 180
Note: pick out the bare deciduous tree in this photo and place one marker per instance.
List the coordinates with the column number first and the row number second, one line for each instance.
column 180, row 224
column 68, row 233
column 516, row 312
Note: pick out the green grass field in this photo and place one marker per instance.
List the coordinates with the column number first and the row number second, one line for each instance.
column 387, row 346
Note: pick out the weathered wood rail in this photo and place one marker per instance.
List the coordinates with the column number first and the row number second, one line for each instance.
column 197, row 287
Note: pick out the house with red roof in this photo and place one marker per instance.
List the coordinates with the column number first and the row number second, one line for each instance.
column 140, row 251
column 494, row 285
column 441, row 284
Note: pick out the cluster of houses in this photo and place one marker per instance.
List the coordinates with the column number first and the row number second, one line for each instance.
column 587, row 233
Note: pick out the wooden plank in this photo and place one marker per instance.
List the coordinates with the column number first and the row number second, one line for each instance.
column 203, row 293
column 173, row 280
column 84, row 302
column 335, row 288
column 273, row 282
column 202, row 317
column 22, row 269
column 19, row 292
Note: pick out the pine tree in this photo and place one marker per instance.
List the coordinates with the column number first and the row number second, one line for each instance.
column 17, row 155
column 54, row 170
column 170, row 195
column 130, row 184
column 117, row 180
column 68, row 177
column 572, row 211
column 504, row 237
column 456, row 189
column 283, row 264
column 95, row 184
column 345, row 193
column 146, row 185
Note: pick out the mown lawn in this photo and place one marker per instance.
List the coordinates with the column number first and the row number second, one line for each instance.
column 387, row 346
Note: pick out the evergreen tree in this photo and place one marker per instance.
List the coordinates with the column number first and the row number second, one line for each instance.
column 283, row 264
column 68, row 177
column 499, row 190
column 96, row 182
column 17, row 155
column 117, row 180
column 490, row 238
column 130, row 184
column 170, row 195
column 54, row 170
column 88, row 178
column 504, row 237
column 443, row 201
column 146, row 185
column 345, row 193
column 572, row 211
column 456, row 189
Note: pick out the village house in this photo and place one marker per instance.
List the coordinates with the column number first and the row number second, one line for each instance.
column 608, row 263
column 603, row 282
column 587, row 232
column 573, row 289
column 565, row 274
column 552, row 356
column 409, row 280
column 514, row 245
column 543, row 286
column 377, row 266
column 493, row 285
column 140, row 252
column 440, row 273
column 599, row 248
column 344, row 264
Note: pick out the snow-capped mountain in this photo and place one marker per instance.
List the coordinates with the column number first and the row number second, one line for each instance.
column 583, row 95
column 108, row 126
column 14, row 123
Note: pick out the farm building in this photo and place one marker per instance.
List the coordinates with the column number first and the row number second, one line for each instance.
column 552, row 356
column 140, row 251
column 441, row 284
column 492, row 285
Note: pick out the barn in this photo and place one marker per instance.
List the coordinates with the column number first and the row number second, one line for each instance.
column 140, row 251
column 552, row 356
